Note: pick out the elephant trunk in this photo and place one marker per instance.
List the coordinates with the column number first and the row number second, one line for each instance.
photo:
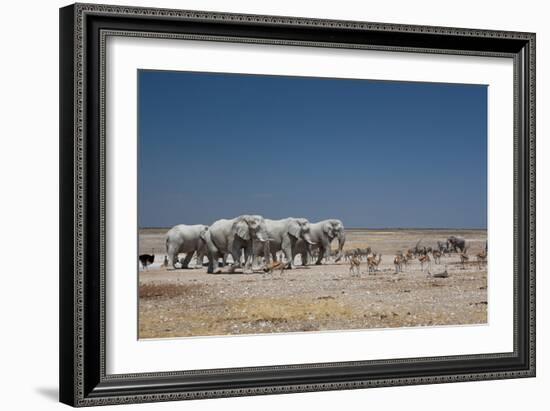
column 341, row 242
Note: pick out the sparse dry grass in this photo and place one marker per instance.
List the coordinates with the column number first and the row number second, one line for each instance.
column 167, row 290
column 290, row 309
column 260, row 315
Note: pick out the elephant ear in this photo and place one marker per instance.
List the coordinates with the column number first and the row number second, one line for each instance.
column 294, row 229
column 327, row 228
column 242, row 230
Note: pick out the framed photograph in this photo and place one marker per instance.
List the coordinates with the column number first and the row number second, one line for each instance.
column 261, row 204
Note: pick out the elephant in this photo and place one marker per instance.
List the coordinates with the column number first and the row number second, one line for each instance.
column 283, row 236
column 186, row 239
column 456, row 243
column 322, row 234
column 231, row 237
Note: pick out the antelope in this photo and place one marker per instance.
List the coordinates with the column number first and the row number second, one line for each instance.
column 349, row 254
column 481, row 258
column 464, row 257
column 444, row 274
column 424, row 259
column 354, row 267
column 373, row 263
column 398, row 262
column 409, row 256
column 437, row 256
column 275, row 265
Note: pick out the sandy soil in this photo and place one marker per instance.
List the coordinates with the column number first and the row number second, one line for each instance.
column 180, row 303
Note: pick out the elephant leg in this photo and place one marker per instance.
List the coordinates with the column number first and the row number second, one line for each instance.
column 340, row 252
column 213, row 264
column 187, row 260
column 252, row 256
column 200, row 259
column 213, row 259
column 172, row 253
column 324, row 251
column 327, row 253
column 304, row 257
column 256, row 261
column 224, row 259
column 286, row 248
column 288, row 255
column 236, row 255
column 249, row 257
column 320, row 256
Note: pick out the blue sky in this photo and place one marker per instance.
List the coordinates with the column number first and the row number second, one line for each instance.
column 372, row 153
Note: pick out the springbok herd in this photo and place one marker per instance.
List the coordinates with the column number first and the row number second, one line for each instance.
column 453, row 246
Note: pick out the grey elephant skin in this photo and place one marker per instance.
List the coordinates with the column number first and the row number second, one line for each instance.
column 322, row 234
column 283, row 235
column 186, row 239
column 232, row 237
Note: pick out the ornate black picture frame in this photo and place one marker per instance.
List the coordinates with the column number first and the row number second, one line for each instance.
column 83, row 30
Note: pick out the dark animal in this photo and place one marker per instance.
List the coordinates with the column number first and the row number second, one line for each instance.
column 444, row 274
column 146, row 260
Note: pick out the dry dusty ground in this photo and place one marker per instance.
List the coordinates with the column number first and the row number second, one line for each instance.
column 179, row 303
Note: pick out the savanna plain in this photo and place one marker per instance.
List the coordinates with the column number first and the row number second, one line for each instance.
column 190, row 302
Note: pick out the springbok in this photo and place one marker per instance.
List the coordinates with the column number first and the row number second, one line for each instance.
column 437, row 256
column 354, row 266
column 481, row 258
column 424, row 259
column 373, row 263
column 398, row 262
column 409, row 256
column 464, row 257
column 275, row 265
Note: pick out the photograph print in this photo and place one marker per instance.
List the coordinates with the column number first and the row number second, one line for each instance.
column 281, row 204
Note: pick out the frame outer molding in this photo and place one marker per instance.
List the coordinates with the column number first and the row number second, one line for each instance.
column 73, row 194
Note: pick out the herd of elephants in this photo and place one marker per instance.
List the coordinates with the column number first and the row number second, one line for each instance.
column 248, row 237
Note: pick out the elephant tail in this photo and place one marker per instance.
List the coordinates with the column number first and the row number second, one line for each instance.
column 203, row 233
